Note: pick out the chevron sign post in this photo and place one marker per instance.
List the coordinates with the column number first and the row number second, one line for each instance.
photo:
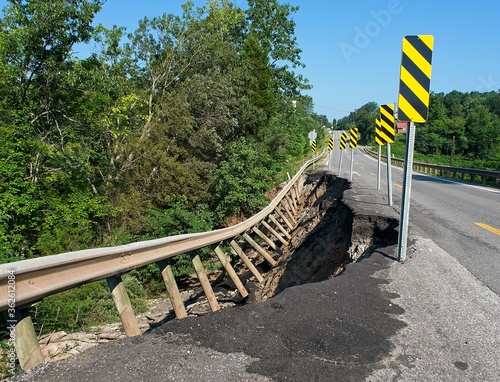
column 388, row 134
column 413, row 106
column 342, row 145
column 353, row 143
column 330, row 155
column 379, row 141
column 312, row 142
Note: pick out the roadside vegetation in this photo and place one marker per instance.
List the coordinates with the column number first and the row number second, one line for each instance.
column 175, row 127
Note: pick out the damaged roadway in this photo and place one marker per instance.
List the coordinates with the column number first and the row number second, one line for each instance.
column 379, row 320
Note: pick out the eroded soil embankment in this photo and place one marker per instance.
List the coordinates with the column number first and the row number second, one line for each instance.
column 328, row 236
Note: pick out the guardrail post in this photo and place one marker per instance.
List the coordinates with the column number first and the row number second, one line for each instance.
column 291, row 205
column 237, row 249
column 295, row 197
column 274, row 233
column 122, row 303
column 294, row 200
column 205, row 283
column 284, row 204
column 279, row 226
column 224, row 259
column 26, row 343
column 259, row 249
column 264, row 237
column 282, row 216
column 173, row 290
column 297, row 192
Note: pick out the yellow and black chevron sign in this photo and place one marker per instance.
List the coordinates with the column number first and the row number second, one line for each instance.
column 354, row 138
column 313, row 146
column 415, row 78
column 387, row 123
column 330, row 144
column 378, row 139
column 343, row 141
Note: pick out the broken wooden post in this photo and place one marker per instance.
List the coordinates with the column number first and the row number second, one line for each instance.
column 246, row 260
column 259, row 249
column 224, row 259
column 205, row 283
column 173, row 290
column 122, row 303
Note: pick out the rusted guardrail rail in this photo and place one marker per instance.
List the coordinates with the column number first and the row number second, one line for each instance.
column 24, row 282
column 447, row 171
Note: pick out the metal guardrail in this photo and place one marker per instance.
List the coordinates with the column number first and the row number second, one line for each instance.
column 25, row 282
column 447, row 171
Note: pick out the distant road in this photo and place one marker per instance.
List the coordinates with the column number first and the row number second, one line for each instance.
column 462, row 219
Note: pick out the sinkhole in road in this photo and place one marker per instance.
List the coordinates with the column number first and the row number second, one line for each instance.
column 327, row 237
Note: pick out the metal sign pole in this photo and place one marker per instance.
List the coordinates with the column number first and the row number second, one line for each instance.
column 352, row 163
column 378, row 166
column 340, row 163
column 389, row 175
column 405, row 207
column 312, row 136
column 329, row 160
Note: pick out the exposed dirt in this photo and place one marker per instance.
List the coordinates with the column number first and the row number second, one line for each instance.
column 328, row 235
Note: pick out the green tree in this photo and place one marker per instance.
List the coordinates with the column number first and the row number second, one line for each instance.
column 483, row 129
column 241, row 180
column 37, row 123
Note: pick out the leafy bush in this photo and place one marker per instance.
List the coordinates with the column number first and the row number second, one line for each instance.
column 241, row 180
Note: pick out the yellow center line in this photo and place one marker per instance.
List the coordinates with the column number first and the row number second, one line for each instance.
column 489, row 228
column 371, row 173
column 398, row 185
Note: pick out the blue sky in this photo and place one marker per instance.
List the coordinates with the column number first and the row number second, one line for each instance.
column 352, row 49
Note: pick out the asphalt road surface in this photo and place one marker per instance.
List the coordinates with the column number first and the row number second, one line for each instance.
column 461, row 218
